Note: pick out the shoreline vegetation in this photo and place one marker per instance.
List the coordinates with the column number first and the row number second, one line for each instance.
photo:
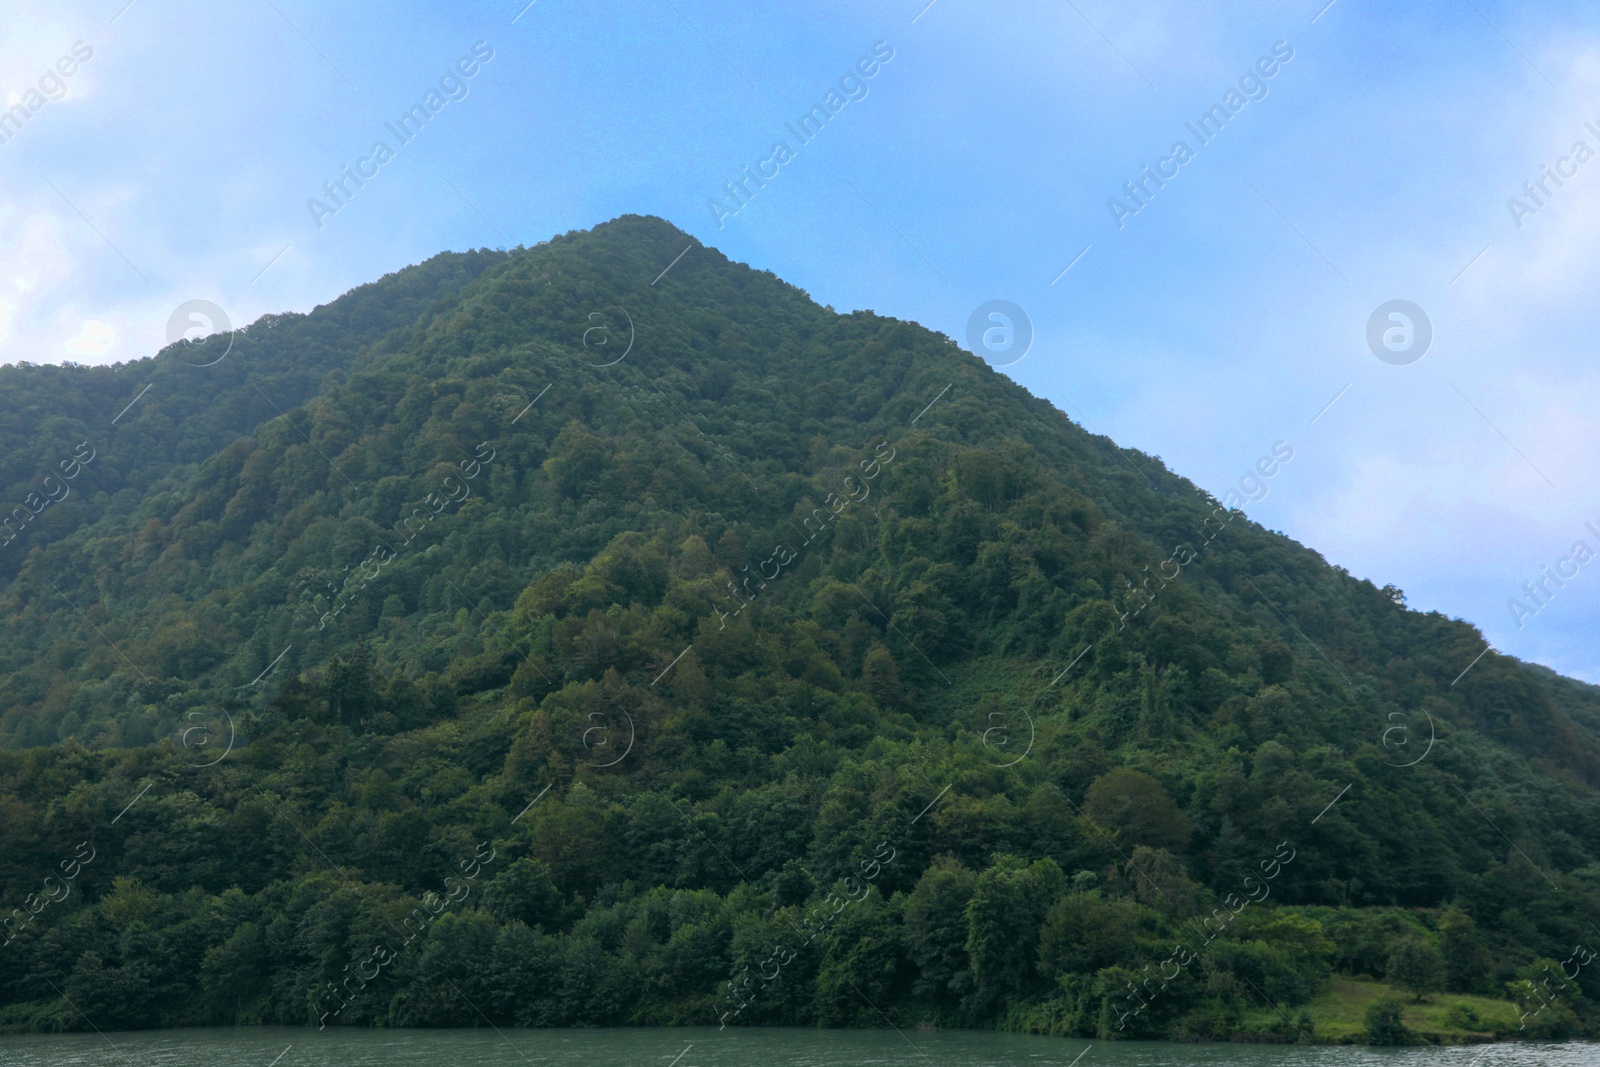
column 1340, row 1016
column 1337, row 1016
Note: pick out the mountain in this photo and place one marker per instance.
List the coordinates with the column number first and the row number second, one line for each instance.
column 539, row 638
column 190, row 401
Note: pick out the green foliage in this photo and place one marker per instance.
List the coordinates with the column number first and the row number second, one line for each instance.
column 1137, row 806
column 1385, row 1021
column 662, row 687
column 1466, row 959
column 1003, row 917
column 1417, row 967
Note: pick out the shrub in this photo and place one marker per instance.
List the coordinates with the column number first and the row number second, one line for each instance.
column 1386, row 1023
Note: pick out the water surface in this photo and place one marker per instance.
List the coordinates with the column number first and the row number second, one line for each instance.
column 708, row 1047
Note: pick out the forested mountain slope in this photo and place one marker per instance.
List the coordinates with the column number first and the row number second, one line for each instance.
column 587, row 641
column 150, row 422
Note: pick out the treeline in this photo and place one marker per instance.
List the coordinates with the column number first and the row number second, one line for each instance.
column 326, row 877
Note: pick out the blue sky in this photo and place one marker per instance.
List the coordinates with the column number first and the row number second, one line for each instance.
column 177, row 160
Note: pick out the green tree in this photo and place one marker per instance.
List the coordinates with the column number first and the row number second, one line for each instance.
column 1467, row 962
column 863, row 964
column 1417, row 967
column 236, row 976
column 1084, row 933
column 1008, row 905
column 881, row 677
column 523, row 892
column 352, row 696
column 934, row 930
column 1138, row 807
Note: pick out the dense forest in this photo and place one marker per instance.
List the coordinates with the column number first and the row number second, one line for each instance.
column 418, row 664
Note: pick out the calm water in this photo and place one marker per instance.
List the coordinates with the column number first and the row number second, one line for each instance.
column 742, row 1047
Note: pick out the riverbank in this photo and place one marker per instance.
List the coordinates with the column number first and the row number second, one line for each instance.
column 1338, row 1015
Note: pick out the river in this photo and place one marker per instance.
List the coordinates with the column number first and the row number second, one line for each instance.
column 734, row 1047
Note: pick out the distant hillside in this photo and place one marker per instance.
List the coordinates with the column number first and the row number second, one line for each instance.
column 720, row 658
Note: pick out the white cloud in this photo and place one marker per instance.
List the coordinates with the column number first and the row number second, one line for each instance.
column 94, row 340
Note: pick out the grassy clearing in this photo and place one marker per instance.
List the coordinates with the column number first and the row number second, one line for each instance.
column 1442, row 1019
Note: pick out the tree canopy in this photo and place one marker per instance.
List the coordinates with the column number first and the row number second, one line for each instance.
column 435, row 659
